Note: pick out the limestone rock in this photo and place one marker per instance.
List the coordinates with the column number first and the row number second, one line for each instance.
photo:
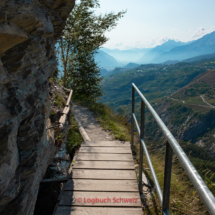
column 28, row 32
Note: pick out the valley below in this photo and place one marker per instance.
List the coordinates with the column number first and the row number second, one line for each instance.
column 183, row 95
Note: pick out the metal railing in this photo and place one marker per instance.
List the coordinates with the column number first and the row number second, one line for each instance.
column 171, row 145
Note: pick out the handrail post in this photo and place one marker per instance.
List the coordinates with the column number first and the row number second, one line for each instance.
column 141, row 147
column 167, row 178
column 172, row 145
column 132, row 120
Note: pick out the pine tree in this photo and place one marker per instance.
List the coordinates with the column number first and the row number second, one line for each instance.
column 83, row 35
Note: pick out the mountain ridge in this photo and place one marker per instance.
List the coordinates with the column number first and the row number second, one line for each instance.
column 105, row 60
column 202, row 46
column 126, row 55
column 165, row 47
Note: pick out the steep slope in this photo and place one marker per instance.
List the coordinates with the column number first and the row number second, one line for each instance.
column 200, row 90
column 153, row 53
column 155, row 81
column 198, row 58
column 28, row 32
column 190, row 112
column 182, row 94
column 187, row 124
column 202, row 46
column 105, row 60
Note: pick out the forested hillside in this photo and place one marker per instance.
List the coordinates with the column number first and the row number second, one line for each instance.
column 183, row 94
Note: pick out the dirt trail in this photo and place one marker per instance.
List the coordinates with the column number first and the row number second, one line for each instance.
column 202, row 97
column 90, row 124
column 209, row 105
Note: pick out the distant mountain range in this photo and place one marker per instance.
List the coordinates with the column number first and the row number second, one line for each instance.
column 158, row 50
column 202, row 46
column 103, row 72
column 201, row 57
column 105, row 60
column 190, row 60
column 170, row 51
column 130, row 55
column 131, row 65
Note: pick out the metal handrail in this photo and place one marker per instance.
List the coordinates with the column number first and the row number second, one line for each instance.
column 171, row 145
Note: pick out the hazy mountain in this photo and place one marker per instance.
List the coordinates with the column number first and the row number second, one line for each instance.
column 202, row 46
column 201, row 57
column 105, row 60
column 158, row 50
column 103, row 72
column 126, row 55
column 169, row 62
column 193, row 59
column 131, row 65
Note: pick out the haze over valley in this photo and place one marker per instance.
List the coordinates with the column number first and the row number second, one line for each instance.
column 178, row 79
column 167, row 52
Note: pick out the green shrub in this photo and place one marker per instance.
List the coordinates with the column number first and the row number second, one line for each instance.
column 74, row 138
column 59, row 100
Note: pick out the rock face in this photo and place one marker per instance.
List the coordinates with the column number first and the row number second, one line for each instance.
column 28, row 32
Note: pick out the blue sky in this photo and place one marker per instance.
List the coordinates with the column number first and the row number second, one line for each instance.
column 148, row 23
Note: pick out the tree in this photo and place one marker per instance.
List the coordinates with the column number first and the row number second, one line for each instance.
column 83, row 35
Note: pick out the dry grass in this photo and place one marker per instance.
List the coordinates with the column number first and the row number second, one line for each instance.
column 184, row 199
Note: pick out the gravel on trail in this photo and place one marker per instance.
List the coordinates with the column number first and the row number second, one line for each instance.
column 90, row 124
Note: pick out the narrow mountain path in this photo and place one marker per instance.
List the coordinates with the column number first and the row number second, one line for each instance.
column 103, row 178
column 176, row 99
column 202, row 97
column 90, row 124
column 208, row 105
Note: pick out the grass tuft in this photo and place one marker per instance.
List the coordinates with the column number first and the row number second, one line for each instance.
column 59, row 100
column 74, row 138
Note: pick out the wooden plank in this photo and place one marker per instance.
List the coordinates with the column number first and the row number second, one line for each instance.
column 66, row 110
column 95, row 199
column 69, row 98
column 114, row 150
column 103, row 165
column 102, row 185
column 82, row 130
column 62, row 119
column 103, row 174
column 84, row 133
column 100, row 157
column 106, row 143
column 68, row 210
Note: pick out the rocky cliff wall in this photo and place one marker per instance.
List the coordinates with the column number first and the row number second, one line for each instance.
column 28, row 32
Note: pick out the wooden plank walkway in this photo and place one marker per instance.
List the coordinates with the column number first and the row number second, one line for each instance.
column 103, row 182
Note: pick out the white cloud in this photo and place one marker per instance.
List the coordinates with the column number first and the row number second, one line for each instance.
column 148, row 44
column 118, row 44
column 200, row 32
column 140, row 44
